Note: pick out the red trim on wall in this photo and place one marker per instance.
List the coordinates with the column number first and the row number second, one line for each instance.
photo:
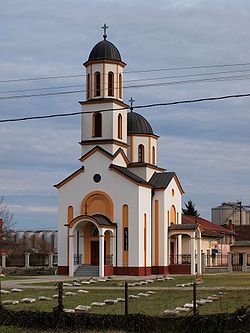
column 180, row 269
column 136, row 271
column 108, row 270
column 63, row 270
column 160, row 270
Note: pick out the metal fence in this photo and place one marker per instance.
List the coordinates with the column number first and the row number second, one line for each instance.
column 155, row 297
column 216, row 260
column 38, row 259
column 15, row 261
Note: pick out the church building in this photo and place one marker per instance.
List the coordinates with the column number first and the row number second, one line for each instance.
column 119, row 213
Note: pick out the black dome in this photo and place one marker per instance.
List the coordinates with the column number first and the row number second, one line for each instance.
column 137, row 124
column 104, row 50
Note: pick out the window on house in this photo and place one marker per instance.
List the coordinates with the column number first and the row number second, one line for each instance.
column 110, row 84
column 88, row 86
column 119, row 126
column 153, row 155
column 97, row 77
column 97, row 124
column 140, row 153
column 120, row 86
column 125, row 239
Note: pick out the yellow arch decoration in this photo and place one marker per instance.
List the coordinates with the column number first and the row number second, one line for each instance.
column 98, row 202
column 172, row 214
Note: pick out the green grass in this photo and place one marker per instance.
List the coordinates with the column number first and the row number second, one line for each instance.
column 210, row 280
column 154, row 304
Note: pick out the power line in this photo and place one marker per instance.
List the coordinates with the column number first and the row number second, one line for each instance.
column 214, row 79
column 129, row 72
column 133, row 80
column 135, row 107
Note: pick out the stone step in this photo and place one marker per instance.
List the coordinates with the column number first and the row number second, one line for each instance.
column 87, row 270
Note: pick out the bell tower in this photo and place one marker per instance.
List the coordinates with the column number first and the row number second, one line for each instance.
column 104, row 118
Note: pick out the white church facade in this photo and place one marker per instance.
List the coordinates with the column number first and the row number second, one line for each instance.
column 119, row 213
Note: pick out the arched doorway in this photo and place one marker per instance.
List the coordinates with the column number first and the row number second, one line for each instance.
column 91, row 242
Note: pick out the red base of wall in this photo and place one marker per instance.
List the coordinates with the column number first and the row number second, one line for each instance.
column 63, row 270
column 163, row 270
column 108, row 270
column 137, row 271
column 180, row 269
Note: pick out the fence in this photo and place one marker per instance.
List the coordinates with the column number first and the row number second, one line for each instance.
column 15, row 261
column 157, row 297
column 38, row 259
column 29, row 260
column 216, row 260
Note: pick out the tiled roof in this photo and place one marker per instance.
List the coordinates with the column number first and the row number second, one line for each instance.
column 208, row 226
column 242, row 243
column 242, row 232
column 191, row 226
column 128, row 174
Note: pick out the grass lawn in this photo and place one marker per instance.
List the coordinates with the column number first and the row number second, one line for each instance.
column 210, row 280
column 154, row 305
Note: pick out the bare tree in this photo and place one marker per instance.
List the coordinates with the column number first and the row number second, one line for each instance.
column 8, row 222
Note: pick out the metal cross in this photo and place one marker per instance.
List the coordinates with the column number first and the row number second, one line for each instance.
column 131, row 103
column 105, row 27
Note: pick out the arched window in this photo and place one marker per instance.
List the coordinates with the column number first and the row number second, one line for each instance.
column 70, row 214
column 172, row 214
column 110, row 84
column 140, row 153
column 97, row 81
column 125, row 239
column 88, row 86
column 120, row 86
column 119, row 126
column 153, row 155
column 97, row 124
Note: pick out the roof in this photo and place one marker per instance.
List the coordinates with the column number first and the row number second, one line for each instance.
column 127, row 173
column 191, row 226
column 242, row 243
column 104, row 50
column 102, row 220
column 137, row 124
column 162, row 180
column 242, row 232
column 209, row 228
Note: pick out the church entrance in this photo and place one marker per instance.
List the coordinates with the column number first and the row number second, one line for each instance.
column 95, row 252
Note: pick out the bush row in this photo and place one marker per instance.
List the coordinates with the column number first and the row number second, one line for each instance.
column 236, row 322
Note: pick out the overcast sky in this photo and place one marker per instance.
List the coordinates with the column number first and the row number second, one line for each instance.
column 206, row 144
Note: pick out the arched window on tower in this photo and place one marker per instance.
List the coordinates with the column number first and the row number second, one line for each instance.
column 110, row 84
column 119, row 126
column 97, row 80
column 153, row 155
column 97, row 124
column 120, row 86
column 88, row 86
column 140, row 153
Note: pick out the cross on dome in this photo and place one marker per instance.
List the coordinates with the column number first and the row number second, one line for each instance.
column 131, row 103
column 105, row 27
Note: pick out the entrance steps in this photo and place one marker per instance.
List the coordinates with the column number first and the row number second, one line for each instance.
column 87, row 270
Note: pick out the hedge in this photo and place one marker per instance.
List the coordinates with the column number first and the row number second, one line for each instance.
column 235, row 322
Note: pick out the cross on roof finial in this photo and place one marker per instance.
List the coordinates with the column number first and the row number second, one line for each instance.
column 131, row 103
column 105, row 27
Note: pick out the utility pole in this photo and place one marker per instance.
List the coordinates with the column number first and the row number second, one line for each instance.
column 240, row 204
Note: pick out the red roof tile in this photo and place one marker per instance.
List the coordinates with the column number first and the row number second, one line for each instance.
column 208, row 226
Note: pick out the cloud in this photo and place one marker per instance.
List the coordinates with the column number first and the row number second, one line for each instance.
column 207, row 144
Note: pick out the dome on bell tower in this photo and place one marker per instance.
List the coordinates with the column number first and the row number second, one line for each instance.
column 104, row 50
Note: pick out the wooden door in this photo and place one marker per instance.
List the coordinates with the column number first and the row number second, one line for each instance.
column 172, row 253
column 95, row 253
